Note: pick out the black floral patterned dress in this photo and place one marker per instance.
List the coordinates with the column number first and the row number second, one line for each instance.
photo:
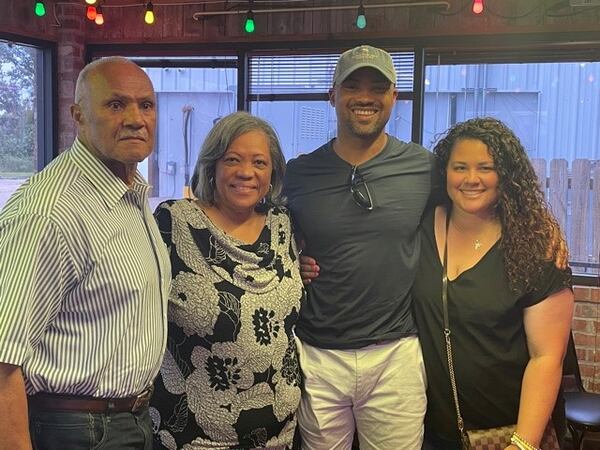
column 230, row 377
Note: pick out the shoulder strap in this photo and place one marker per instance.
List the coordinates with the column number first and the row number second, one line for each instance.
column 447, row 332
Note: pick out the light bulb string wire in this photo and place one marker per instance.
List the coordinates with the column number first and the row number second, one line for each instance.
column 58, row 23
column 550, row 11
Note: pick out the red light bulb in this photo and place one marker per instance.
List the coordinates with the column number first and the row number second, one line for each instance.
column 91, row 13
column 477, row 6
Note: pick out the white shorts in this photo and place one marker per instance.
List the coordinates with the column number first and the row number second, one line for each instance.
column 380, row 388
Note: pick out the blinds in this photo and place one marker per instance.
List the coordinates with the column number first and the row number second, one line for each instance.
column 299, row 74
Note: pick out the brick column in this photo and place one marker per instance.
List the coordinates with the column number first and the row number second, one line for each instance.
column 70, row 61
column 586, row 331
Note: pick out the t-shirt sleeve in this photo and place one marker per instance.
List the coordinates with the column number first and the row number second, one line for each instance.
column 33, row 282
column 552, row 281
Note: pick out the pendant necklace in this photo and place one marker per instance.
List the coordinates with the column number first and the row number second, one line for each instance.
column 477, row 242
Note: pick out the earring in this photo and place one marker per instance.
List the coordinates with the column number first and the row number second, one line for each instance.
column 266, row 198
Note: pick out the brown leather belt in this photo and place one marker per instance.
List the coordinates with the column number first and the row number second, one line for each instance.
column 73, row 403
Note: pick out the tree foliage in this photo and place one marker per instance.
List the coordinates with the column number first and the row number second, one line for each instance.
column 17, row 108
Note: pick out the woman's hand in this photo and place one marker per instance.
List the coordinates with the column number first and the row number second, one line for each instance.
column 308, row 269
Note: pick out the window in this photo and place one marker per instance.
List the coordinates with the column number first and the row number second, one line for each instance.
column 192, row 95
column 25, row 141
column 554, row 108
column 291, row 93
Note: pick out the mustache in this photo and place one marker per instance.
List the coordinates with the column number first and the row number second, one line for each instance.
column 142, row 136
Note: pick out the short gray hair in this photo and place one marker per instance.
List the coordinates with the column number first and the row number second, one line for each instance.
column 218, row 140
column 82, row 78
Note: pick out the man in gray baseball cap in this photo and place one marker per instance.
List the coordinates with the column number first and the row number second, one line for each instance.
column 364, row 56
column 357, row 202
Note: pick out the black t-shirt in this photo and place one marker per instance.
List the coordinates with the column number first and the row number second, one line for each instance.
column 367, row 258
column 488, row 337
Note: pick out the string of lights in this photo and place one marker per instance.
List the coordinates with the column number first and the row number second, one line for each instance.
column 94, row 9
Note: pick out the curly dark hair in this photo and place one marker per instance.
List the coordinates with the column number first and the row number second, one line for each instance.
column 531, row 235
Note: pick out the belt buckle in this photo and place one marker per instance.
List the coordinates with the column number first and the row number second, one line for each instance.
column 142, row 399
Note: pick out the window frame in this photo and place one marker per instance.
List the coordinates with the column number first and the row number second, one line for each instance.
column 518, row 49
column 464, row 49
column 46, row 98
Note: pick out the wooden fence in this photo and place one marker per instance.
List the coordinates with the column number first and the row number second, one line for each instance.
column 574, row 198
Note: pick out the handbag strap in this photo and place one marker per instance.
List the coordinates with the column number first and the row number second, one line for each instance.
column 447, row 332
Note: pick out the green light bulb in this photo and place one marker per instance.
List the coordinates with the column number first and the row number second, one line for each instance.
column 40, row 9
column 361, row 21
column 249, row 26
column 361, row 18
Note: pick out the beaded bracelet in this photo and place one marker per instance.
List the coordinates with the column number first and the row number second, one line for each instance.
column 521, row 443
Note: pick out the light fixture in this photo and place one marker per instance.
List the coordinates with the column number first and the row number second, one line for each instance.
column 90, row 2
column 249, row 26
column 477, row 6
column 91, row 13
column 99, row 16
column 361, row 19
column 149, row 16
column 199, row 15
column 40, row 9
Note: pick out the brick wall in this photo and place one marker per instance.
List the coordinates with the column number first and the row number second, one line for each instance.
column 586, row 331
column 70, row 61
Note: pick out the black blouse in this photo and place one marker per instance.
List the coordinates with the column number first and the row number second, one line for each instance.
column 488, row 337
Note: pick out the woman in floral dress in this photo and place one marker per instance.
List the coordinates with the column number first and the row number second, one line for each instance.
column 230, row 377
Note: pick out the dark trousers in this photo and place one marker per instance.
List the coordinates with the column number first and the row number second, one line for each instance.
column 51, row 430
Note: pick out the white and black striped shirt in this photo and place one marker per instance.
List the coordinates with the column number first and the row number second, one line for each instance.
column 84, row 278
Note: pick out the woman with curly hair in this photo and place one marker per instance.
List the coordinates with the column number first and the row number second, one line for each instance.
column 508, row 306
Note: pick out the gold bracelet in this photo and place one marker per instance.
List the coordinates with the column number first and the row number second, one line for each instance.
column 521, row 443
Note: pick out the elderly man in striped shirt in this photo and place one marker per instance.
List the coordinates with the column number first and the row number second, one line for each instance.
column 84, row 279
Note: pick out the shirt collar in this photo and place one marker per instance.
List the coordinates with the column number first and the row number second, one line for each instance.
column 110, row 187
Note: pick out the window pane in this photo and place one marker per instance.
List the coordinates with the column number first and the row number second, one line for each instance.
column 294, row 74
column 554, row 108
column 18, row 116
column 302, row 126
column 190, row 101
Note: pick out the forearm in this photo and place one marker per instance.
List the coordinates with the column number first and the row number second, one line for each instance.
column 14, row 422
column 539, row 389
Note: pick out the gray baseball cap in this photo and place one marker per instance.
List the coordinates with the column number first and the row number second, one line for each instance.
column 364, row 56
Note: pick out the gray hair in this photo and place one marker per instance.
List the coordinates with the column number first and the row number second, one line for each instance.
column 218, row 140
column 82, row 78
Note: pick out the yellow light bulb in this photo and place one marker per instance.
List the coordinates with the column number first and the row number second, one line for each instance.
column 149, row 16
column 99, row 16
